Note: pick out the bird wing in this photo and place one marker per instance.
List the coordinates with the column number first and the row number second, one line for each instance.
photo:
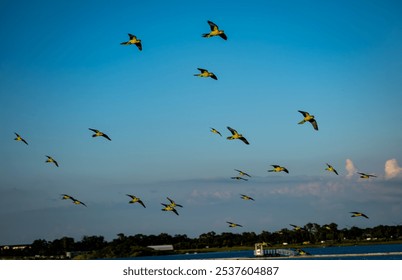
column 212, row 25
column 132, row 196
column 284, row 169
column 314, row 123
column 244, row 140
column 223, row 36
column 335, row 172
column 304, row 113
column 131, row 36
column 175, row 211
column 202, row 70
column 233, row 131
column 139, row 46
column 94, row 130
column 213, row 76
column 142, row 203
column 107, row 137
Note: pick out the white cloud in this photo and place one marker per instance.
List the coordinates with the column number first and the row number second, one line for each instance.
column 392, row 169
column 350, row 168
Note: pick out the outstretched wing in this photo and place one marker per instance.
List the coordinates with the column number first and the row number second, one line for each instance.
column 212, row 25
column 233, row 131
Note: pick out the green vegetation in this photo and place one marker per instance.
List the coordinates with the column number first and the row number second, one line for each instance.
column 95, row 247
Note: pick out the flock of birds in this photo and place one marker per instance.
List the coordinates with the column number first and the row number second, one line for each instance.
column 235, row 135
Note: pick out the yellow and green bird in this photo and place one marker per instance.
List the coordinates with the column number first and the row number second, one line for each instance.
column 242, row 173
column 133, row 41
column 365, row 176
column 99, row 133
column 50, row 159
column 135, row 199
column 308, row 118
column 296, row 228
column 169, row 208
column 278, row 168
column 173, row 203
column 205, row 74
column 358, row 214
column 236, row 135
column 19, row 138
column 234, row 224
column 75, row 201
column 331, row 169
column 213, row 130
column 214, row 31
column 246, row 197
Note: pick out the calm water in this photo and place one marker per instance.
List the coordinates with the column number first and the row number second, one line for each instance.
column 313, row 251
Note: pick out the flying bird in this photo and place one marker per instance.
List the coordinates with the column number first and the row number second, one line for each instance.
column 239, row 178
column 19, row 138
column 169, row 208
column 296, row 227
column 205, row 74
column 213, row 130
column 246, row 197
column 234, row 224
column 133, row 41
column 50, row 159
column 66, row 196
column 99, row 133
column 358, row 214
column 215, row 31
column 278, row 168
column 75, row 201
column 241, row 173
column 365, row 176
column 308, row 118
column 236, row 135
column 331, row 169
column 173, row 204
column 135, row 199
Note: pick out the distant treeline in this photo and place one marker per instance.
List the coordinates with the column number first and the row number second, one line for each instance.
column 130, row 246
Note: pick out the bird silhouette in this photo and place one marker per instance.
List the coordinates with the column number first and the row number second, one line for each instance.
column 133, row 41
column 205, row 74
column 246, row 197
column 331, row 169
column 135, row 199
column 50, row 159
column 214, row 31
column 19, row 138
column 242, row 173
column 358, row 214
column 213, row 130
column 234, row 224
column 236, row 135
column 278, row 168
column 365, row 176
column 169, row 208
column 99, row 133
column 308, row 118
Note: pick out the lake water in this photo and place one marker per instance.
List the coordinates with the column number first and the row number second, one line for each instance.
column 361, row 249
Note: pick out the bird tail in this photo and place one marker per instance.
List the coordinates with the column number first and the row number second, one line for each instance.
column 206, row 35
column 302, row 122
column 124, row 43
column 229, row 138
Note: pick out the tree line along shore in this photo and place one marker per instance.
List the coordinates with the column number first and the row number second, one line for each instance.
column 96, row 247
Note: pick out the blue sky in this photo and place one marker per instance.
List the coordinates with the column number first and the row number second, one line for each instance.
column 63, row 70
